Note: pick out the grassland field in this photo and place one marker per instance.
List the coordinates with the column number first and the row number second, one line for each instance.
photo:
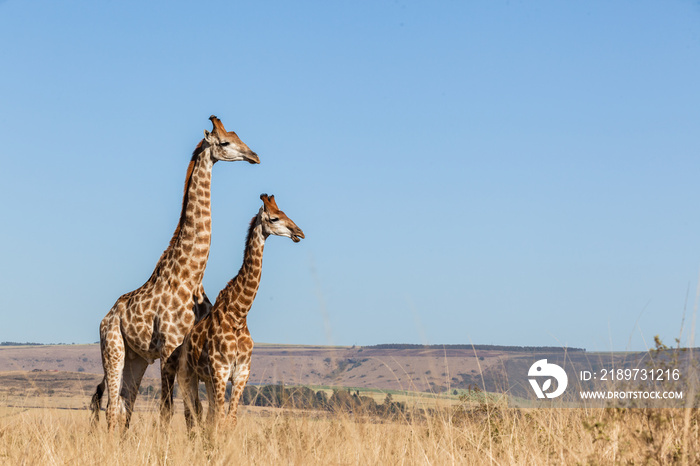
column 44, row 418
column 49, row 430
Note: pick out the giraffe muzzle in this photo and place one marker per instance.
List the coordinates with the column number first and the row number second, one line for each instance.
column 252, row 157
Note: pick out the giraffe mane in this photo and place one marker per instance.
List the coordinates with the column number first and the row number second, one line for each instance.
column 188, row 179
column 219, row 303
column 251, row 227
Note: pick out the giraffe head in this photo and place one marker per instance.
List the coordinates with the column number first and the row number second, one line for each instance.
column 226, row 145
column 276, row 222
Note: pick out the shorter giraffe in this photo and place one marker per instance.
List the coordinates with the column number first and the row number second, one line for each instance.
column 219, row 347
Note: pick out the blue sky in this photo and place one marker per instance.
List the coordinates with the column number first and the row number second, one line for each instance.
column 506, row 172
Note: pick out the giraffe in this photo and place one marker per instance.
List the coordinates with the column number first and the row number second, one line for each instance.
column 219, row 346
column 150, row 322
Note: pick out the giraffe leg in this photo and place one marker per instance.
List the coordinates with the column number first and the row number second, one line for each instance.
column 168, row 372
column 211, row 411
column 188, row 382
column 189, row 387
column 113, row 362
column 238, row 381
column 219, row 386
column 184, row 382
column 197, row 400
column 134, row 368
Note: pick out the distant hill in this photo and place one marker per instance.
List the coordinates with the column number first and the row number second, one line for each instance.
column 435, row 368
column 516, row 349
column 14, row 343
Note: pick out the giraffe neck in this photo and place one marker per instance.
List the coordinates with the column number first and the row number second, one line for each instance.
column 183, row 262
column 237, row 298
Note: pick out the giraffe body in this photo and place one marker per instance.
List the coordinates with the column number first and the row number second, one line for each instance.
column 219, row 347
column 150, row 322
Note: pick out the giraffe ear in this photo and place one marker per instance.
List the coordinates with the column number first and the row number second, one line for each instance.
column 207, row 135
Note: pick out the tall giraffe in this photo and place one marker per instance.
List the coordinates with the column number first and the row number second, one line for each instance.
column 219, row 346
column 150, row 322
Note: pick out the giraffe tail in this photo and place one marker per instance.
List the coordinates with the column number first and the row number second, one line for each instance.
column 96, row 403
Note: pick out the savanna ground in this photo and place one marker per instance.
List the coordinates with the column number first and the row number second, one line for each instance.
column 56, row 430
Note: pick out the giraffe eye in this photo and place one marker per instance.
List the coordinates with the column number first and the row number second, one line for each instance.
column 273, row 219
column 224, row 144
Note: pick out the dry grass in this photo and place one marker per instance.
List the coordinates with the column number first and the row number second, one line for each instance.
column 483, row 435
